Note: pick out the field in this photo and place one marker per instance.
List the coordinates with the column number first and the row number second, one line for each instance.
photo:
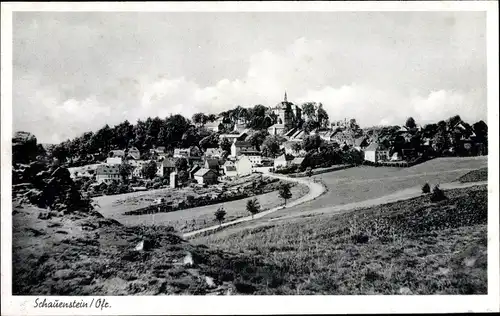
column 475, row 175
column 407, row 247
column 187, row 219
column 411, row 246
column 363, row 183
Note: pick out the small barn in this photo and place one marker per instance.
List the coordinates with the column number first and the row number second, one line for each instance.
column 206, row 176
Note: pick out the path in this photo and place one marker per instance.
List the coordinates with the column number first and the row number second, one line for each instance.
column 315, row 190
column 390, row 198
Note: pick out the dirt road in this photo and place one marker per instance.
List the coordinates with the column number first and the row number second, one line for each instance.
column 315, row 190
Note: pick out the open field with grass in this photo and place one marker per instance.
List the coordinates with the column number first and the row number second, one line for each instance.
column 187, row 219
column 407, row 247
column 363, row 183
column 475, row 175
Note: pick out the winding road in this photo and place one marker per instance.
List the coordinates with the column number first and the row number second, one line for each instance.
column 315, row 190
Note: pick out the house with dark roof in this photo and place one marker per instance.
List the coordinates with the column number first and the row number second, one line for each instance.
column 165, row 167
column 211, row 163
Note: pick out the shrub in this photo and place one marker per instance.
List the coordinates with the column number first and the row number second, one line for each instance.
column 437, row 194
column 426, row 188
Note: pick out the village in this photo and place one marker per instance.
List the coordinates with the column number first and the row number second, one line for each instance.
column 298, row 139
column 250, row 153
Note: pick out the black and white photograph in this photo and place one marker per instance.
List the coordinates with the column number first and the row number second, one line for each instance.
column 235, row 151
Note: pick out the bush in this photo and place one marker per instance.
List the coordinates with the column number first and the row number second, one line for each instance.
column 437, row 194
column 426, row 188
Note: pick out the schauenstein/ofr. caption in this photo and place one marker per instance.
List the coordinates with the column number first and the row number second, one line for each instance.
column 99, row 303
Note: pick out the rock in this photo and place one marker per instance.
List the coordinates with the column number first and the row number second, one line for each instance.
column 139, row 246
column 188, row 260
column 210, row 282
column 64, row 274
column 24, row 147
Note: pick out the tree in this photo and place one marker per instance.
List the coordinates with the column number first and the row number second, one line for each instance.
column 220, row 214
column 311, row 142
column 126, row 170
column 257, row 139
column 181, row 164
column 211, row 118
column 310, row 126
column 426, row 188
column 309, row 109
column 210, row 141
column 410, row 123
column 199, row 119
column 253, row 206
column 271, row 145
column 284, row 192
column 296, row 147
column 322, row 116
column 149, row 170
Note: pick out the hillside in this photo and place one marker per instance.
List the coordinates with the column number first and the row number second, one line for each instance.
column 407, row 247
column 86, row 254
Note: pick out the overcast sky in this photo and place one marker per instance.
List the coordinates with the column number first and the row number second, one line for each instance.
column 75, row 72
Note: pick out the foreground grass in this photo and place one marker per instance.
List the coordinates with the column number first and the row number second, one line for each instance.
column 86, row 254
column 408, row 247
column 475, row 176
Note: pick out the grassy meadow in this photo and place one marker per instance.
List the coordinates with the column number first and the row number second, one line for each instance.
column 408, row 247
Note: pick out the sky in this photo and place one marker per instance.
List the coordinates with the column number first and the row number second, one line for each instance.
column 77, row 71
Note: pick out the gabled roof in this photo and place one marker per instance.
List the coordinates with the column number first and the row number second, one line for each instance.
column 107, row 169
column 375, row 146
column 250, row 153
column 118, row 153
column 212, row 163
column 167, row 163
column 240, row 143
column 203, row 171
column 298, row 160
column 359, row 141
column 285, row 157
column 194, row 168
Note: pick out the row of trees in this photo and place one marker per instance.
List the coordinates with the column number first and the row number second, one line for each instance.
column 253, row 205
column 445, row 136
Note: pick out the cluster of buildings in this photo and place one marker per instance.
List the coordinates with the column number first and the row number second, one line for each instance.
column 210, row 166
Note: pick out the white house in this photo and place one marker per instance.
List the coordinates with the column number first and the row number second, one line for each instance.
column 182, row 152
column 282, row 161
column 107, row 173
column 243, row 166
column 238, row 146
column 376, row 152
column 290, row 148
column 114, row 160
column 254, row 156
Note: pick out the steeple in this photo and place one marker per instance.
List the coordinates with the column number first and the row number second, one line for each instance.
column 285, row 97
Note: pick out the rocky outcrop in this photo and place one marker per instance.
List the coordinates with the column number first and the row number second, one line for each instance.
column 24, row 147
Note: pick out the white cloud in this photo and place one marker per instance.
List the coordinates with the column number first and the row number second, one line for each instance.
column 303, row 69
